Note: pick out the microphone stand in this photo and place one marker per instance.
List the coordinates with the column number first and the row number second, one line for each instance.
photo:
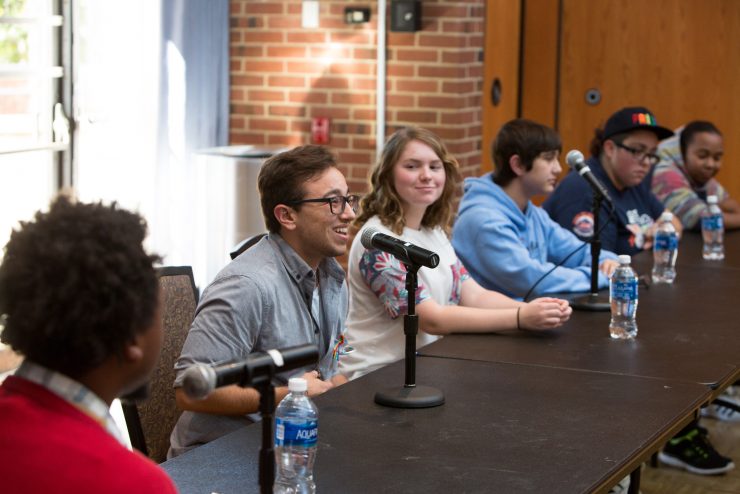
column 267, row 452
column 410, row 395
column 594, row 301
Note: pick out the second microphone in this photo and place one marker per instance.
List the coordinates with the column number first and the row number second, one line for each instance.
column 406, row 252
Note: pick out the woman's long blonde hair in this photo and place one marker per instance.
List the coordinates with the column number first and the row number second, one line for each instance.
column 383, row 199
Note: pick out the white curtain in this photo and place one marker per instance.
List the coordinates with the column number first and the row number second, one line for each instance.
column 151, row 90
column 195, row 201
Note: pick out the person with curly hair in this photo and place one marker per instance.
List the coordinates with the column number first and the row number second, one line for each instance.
column 412, row 190
column 79, row 299
column 286, row 290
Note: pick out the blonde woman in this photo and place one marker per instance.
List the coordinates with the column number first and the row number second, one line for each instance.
column 412, row 191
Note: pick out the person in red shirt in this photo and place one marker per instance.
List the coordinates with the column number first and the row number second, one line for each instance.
column 79, row 299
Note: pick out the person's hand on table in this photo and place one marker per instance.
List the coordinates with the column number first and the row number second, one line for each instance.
column 544, row 313
column 608, row 266
column 315, row 385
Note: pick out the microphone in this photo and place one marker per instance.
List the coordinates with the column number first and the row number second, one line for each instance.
column 200, row 380
column 575, row 161
column 406, row 252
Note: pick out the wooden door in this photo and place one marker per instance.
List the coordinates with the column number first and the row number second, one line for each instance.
column 680, row 58
column 500, row 68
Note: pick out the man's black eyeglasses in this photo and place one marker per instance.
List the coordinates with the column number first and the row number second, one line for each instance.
column 639, row 154
column 337, row 204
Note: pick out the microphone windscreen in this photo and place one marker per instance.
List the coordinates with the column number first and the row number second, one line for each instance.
column 199, row 381
column 367, row 237
column 574, row 158
column 298, row 356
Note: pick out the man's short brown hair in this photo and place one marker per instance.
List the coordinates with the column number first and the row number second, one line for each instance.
column 282, row 177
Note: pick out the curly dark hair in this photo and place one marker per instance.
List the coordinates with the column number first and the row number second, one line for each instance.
column 76, row 285
column 383, row 200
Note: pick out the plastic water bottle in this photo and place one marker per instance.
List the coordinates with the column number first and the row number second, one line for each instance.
column 665, row 250
column 713, row 231
column 623, row 300
column 296, row 434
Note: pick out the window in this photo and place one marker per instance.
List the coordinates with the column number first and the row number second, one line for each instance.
column 30, row 82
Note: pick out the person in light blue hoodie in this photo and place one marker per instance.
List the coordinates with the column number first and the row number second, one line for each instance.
column 507, row 243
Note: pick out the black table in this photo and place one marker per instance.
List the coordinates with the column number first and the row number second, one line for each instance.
column 566, row 411
column 688, row 331
column 504, row 428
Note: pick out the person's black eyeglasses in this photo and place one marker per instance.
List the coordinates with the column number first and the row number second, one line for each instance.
column 337, row 204
column 639, row 154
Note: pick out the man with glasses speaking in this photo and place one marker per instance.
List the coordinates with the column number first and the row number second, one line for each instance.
column 622, row 156
column 284, row 291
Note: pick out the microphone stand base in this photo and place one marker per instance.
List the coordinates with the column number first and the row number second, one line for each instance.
column 593, row 302
column 410, row 397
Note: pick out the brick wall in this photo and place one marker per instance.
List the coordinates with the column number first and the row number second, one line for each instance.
column 282, row 75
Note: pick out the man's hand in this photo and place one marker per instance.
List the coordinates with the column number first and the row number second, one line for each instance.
column 608, row 266
column 315, row 385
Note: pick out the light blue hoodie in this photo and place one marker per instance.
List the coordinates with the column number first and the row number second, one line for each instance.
column 507, row 250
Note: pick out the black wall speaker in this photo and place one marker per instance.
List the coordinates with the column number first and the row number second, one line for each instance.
column 406, row 15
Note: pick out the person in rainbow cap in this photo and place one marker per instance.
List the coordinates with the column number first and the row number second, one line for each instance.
column 622, row 156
